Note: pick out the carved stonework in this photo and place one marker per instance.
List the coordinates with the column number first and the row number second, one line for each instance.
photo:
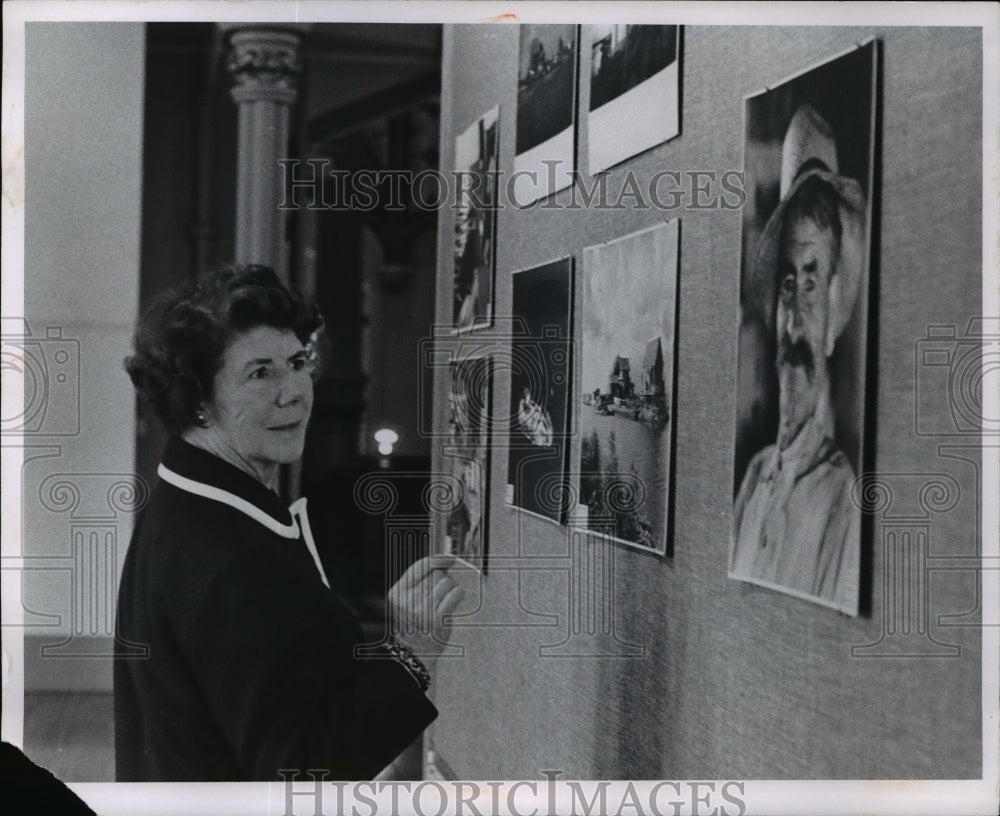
column 265, row 65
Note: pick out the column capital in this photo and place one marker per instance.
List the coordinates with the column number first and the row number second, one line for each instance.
column 264, row 63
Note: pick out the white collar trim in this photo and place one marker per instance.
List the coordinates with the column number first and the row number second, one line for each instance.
column 234, row 501
column 298, row 511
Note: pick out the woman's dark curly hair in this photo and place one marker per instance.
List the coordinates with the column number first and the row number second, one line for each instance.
column 181, row 338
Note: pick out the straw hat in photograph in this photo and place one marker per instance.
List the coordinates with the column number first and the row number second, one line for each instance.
column 809, row 150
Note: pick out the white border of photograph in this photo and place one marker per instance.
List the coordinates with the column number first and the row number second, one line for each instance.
column 535, row 176
column 642, row 117
column 535, row 180
column 960, row 797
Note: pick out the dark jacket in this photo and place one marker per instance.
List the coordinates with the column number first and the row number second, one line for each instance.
column 250, row 666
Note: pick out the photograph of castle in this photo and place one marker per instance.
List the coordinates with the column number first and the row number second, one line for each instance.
column 629, row 317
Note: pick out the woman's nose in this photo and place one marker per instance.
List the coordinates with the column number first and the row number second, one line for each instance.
column 293, row 387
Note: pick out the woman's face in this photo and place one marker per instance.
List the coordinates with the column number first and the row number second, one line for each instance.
column 263, row 397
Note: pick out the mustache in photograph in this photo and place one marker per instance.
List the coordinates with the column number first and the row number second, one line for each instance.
column 799, row 354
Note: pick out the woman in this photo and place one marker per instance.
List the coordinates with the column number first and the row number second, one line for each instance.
column 249, row 665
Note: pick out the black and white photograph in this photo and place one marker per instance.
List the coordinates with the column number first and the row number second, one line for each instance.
column 340, row 474
column 541, row 369
column 475, row 223
column 634, row 90
column 469, row 447
column 546, row 111
column 627, row 385
column 802, row 332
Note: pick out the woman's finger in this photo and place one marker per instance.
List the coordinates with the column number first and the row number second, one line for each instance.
column 449, row 603
column 424, row 568
column 442, row 561
column 417, row 572
column 442, row 584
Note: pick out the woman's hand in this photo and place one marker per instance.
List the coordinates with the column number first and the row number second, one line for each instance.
column 418, row 604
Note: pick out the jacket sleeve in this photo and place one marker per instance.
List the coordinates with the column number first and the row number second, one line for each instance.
column 274, row 656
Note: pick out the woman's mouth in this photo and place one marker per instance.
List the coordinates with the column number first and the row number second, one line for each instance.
column 291, row 426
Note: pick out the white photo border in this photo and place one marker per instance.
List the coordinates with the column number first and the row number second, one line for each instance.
column 775, row 797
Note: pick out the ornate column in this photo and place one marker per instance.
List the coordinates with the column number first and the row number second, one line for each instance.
column 265, row 66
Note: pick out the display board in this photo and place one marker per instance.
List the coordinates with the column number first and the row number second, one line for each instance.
column 607, row 661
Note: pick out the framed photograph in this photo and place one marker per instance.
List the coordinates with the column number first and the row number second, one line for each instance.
column 540, row 374
column 467, row 526
column 475, row 224
column 634, row 90
column 803, row 336
column 546, row 108
column 628, row 338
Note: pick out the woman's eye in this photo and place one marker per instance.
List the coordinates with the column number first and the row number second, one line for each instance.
column 298, row 364
column 808, row 284
column 788, row 286
column 259, row 373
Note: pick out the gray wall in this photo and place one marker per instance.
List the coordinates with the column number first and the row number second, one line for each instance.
column 735, row 680
column 83, row 136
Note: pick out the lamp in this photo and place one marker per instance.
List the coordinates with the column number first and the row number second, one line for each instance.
column 386, row 438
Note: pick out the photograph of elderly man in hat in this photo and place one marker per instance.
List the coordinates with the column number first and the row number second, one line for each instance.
column 795, row 525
